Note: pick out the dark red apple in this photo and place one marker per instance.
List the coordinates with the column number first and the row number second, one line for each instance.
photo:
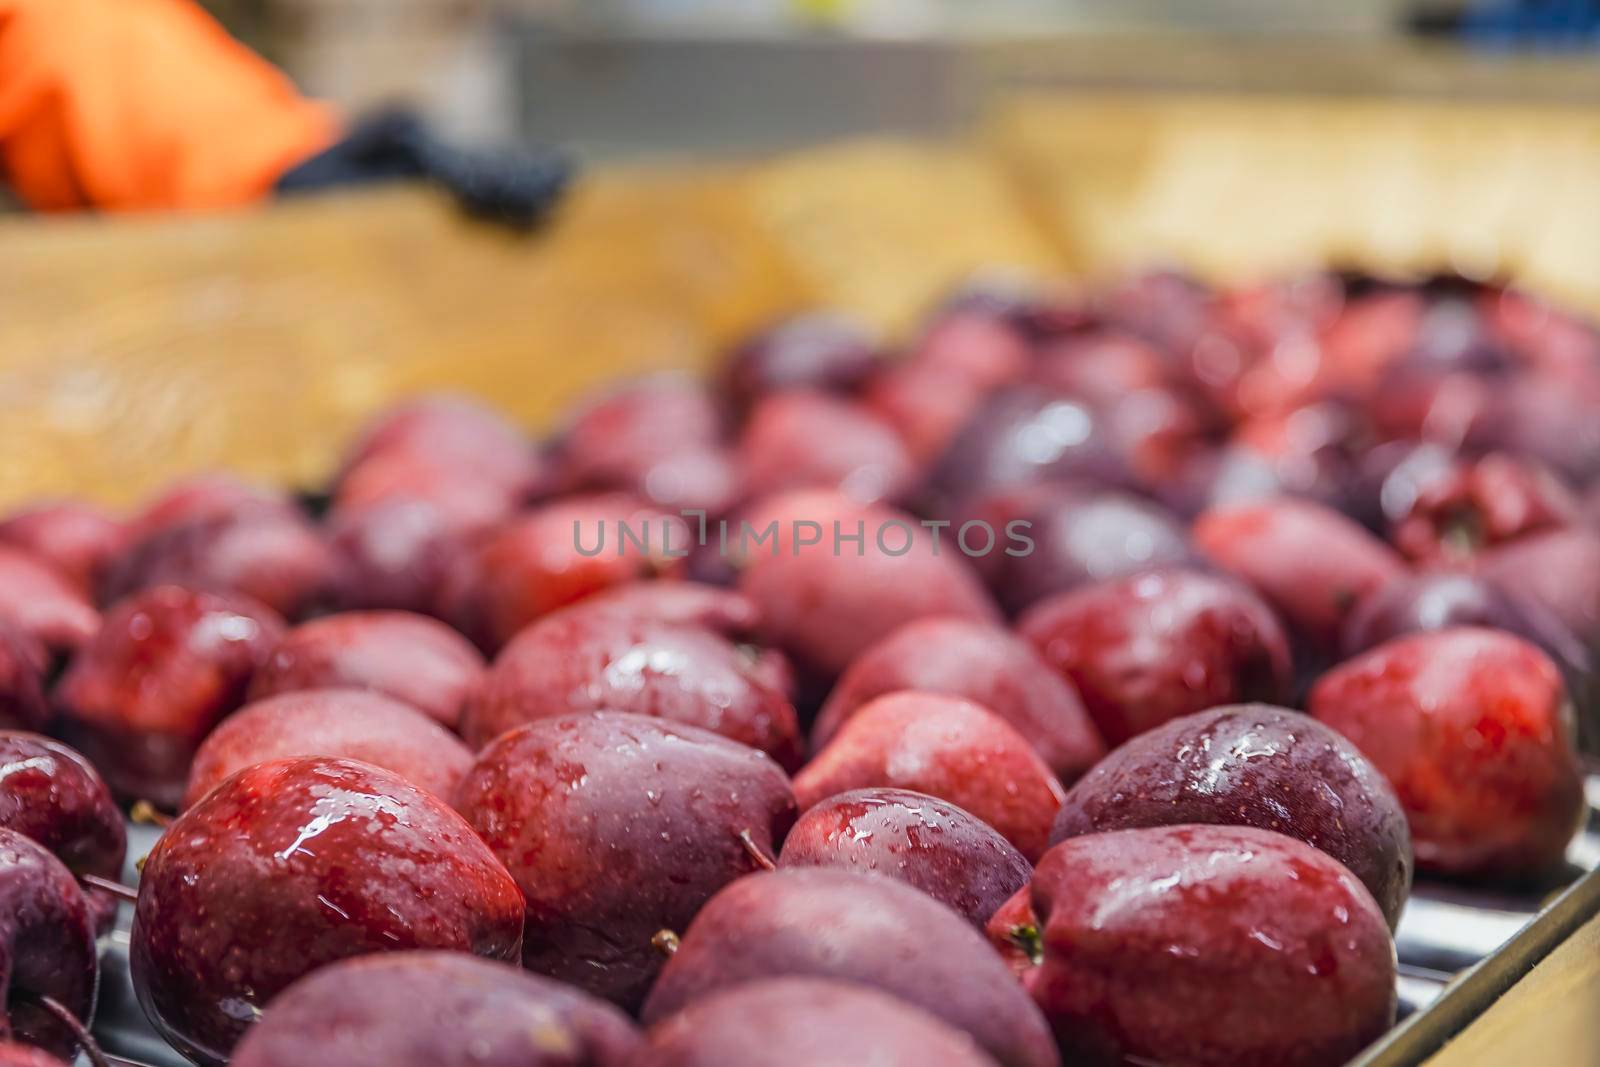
column 42, row 604
column 1253, row 765
column 804, row 440
column 446, row 434
column 593, row 660
column 343, row 723
column 273, row 556
column 859, row 928
column 51, row 794
column 824, row 596
column 927, row 406
column 945, row 851
column 1213, row 946
column 295, row 864
column 397, row 554
column 1481, row 503
column 1085, row 536
column 1558, row 570
column 815, row 350
column 679, row 603
column 409, row 657
column 617, row 827
column 984, row 663
column 946, row 747
column 77, row 539
column 1473, row 729
column 1025, row 435
column 435, row 1009
column 1308, row 561
column 658, row 438
column 166, row 667
column 1435, row 600
column 204, row 496
column 806, row 1022
column 556, row 555
column 1148, row 648
column 47, row 946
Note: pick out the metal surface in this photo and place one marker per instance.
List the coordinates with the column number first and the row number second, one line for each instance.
column 1460, row 950
column 623, row 93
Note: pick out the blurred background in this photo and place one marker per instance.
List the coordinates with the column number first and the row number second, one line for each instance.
column 620, row 78
column 740, row 159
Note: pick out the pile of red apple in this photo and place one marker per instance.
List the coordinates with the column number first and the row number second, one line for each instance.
column 1101, row 669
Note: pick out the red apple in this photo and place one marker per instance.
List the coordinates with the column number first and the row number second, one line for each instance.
column 166, row 667
column 945, row 851
column 859, row 928
column 42, row 604
column 409, row 657
column 984, row 663
column 75, row 538
column 51, row 794
column 1310, row 562
column 295, row 864
column 617, row 827
column 435, row 1009
column 946, row 747
column 1208, row 945
column 1148, row 648
column 823, row 598
column 343, row 723
column 1253, row 765
column 1473, row 729
column 592, row 660
column 780, row 1023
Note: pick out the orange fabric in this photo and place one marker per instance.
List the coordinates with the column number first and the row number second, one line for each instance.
column 128, row 105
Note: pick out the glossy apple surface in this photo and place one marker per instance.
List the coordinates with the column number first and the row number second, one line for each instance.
column 294, row 864
column 617, row 827
column 436, row 1009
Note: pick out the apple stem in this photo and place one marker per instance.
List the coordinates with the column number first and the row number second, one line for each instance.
column 665, row 942
column 80, row 1033
column 764, row 861
column 1027, row 938
column 106, row 885
column 147, row 814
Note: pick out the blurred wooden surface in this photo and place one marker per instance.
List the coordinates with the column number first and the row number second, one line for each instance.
column 1547, row 1018
column 1233, row 185
column 134, row 350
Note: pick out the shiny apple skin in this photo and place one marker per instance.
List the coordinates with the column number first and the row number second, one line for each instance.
column 1253, row 765
column 860, row 928
column 945, row 851
column 436, row 1009
column 345, row 723
column 1149, row 648
column 617, row 827
column 411, row 658
column 293, row 864
column 47, row 945
column 1211, row 946
column 981, row 662
column 1474, row 729
column 946, row 747
column 590, row 660
column 806, row 1022
column 167, row 666
column 53, row 795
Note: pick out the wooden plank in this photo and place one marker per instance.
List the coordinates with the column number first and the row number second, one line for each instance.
column 134, row 350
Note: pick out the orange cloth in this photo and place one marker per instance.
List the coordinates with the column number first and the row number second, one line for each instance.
column 127, row 105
